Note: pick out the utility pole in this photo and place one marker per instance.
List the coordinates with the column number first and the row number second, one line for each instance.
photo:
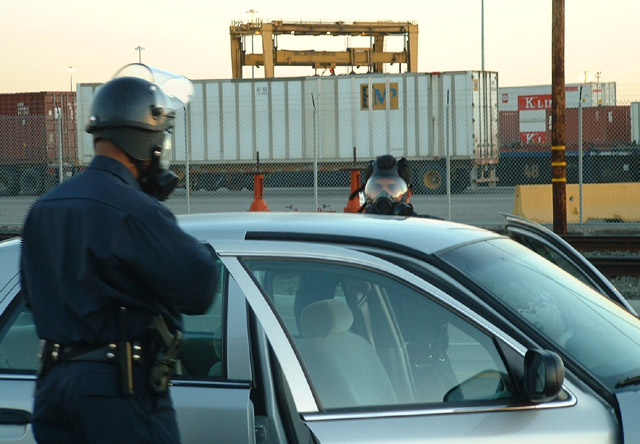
column 558, row 106
column 139, row 49
column 482, row 34
column 70, row 70
column 252, row 12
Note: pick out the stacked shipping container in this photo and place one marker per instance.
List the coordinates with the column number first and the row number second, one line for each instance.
column 38, row 139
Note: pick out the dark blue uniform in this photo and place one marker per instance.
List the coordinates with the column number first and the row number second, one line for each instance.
column 96, row 243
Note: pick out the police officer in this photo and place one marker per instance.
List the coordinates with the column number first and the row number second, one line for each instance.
column 387, row 188
column 102, row 260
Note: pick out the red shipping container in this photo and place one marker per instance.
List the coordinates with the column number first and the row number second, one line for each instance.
column 38, row 131
column 602, row 127
column 34, row 126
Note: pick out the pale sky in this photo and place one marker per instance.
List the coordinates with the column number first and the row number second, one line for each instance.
column 40, row 39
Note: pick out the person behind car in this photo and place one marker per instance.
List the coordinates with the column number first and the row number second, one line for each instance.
column 387, row 187
column 107, row 272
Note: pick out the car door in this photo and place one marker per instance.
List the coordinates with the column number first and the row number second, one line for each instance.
column 16, row 385
column 372, row 353
column 210, row 390
column 555, row 249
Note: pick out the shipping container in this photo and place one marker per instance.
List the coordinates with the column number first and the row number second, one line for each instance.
column 37, row 140
column 538, row 97
column 438, row 120
column 602, row 127
column 609, row 147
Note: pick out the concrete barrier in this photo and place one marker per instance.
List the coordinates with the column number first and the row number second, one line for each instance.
column 600, row 201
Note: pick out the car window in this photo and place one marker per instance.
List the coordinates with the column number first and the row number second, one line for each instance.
column 551, row 254
column 201, row 355
column 367, row 339
column 18, row 341
column 596, row 332
column 9, row 263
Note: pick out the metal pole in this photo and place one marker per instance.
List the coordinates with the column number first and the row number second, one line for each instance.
column 139, row 49
column 315, row 153
column 70, row 70
column 58, row 110
column 187, row 154
column 580, row 151
column 252, row 12
column 482, row 32
column 448, row 156
column 558, row 105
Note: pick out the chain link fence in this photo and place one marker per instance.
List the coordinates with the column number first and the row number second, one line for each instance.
column 38, row 142
column 475, row 150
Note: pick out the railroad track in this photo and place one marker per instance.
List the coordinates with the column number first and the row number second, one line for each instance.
column 617, row 266
column 625, row 262
column 604, row 242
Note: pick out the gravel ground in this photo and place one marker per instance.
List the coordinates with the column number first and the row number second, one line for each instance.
column 628, row 286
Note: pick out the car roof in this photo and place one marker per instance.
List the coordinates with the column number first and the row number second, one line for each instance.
column 424, row 234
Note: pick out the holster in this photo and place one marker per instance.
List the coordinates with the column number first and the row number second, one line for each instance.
column 48, row 356
column 167, row 347
column 124, row 355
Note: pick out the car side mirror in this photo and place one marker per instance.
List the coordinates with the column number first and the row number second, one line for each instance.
column 543, row 375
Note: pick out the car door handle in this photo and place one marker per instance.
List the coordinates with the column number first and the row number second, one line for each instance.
column 14, row 416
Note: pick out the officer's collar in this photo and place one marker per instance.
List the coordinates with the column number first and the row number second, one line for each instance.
column 116, row 168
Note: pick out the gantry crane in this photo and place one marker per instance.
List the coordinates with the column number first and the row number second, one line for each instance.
column 373, row 56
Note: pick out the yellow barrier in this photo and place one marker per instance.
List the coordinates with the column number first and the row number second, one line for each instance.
column 602, row 201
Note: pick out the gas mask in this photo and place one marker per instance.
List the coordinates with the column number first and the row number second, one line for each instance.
column 158, row 180
column 386, row 193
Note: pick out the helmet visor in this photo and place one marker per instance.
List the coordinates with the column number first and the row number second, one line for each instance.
column 165, row 153
column 393, row 186
column 177, row 88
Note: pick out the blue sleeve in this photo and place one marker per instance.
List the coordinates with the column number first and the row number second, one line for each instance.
column 175, row 267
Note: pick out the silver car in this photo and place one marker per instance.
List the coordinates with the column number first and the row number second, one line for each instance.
column 350, row 328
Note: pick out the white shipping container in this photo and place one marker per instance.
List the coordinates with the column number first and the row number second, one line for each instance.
column 411, row 115
column 292, row 121
column 403, row 115
column 520, row 98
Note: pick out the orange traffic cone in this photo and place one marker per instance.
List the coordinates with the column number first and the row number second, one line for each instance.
column 258, row 204
column 353, row 205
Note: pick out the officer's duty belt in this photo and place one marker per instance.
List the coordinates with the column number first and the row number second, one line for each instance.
column 141, row 354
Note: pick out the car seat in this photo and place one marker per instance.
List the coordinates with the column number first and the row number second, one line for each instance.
column 344, row 368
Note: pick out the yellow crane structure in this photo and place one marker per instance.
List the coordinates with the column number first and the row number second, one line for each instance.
column 373, row 56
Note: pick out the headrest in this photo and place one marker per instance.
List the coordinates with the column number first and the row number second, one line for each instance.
column 324, row 318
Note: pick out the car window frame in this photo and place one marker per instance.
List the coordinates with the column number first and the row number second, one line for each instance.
column 286, row 354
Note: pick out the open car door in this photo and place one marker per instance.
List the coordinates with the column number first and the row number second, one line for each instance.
column 551, row 246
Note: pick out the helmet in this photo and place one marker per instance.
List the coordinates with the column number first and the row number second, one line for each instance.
column 134, row 114
column 387, row 186
column 136, row 111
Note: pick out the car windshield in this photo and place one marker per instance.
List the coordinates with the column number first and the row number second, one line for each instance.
column 597, row 333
